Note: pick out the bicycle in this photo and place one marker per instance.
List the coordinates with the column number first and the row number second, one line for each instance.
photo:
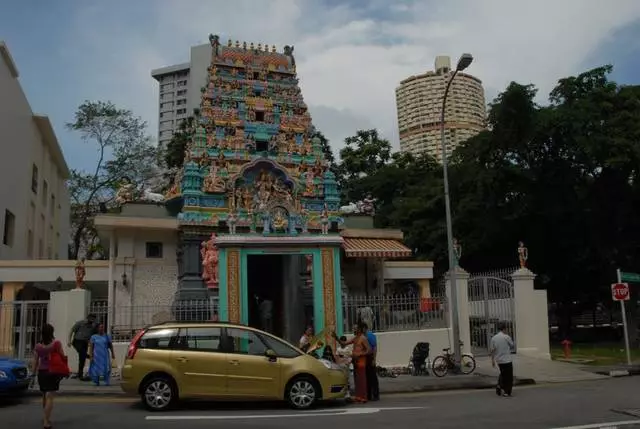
column 444, row 363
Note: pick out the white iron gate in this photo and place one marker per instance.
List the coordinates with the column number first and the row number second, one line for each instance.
column 20, row 326
column 491, row 302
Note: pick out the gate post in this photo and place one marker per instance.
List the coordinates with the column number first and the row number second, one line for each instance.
column 462, row 283
column 532, row 317
column 65, row 309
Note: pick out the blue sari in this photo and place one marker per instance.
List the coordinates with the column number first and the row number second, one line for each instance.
column 100, row 359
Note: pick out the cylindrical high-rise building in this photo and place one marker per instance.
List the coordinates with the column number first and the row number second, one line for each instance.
column 419, row 104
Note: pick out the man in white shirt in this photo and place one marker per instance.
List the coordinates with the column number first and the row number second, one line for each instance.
column 501, row 354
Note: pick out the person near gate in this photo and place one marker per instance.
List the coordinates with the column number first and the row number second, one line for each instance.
column 373, row 387
column 501, row 354
column 79, row 338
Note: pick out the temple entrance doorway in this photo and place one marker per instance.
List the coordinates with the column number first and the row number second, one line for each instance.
column 279, row 294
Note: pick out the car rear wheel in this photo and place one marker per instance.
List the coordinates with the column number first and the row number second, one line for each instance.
column 302, row 393
column 159, row 394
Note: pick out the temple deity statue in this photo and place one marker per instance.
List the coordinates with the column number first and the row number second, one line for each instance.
column 367, row 205
column 324, row 220
column 232, row 220
column 523, row 254
column 80, row 272
column 125, row 193
column 457, row 251
column 309, row 187
column 213, row 182
column 209, row 253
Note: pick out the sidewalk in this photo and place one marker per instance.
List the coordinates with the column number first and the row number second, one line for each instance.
column 401, row 384
column 541, row 370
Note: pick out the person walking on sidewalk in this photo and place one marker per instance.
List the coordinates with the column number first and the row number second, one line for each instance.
column 79, row 338
column 373, row 386
column 501, row 348
column 101, row 355
column 48, row 381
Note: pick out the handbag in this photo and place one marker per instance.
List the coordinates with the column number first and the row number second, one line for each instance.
column 58, row 363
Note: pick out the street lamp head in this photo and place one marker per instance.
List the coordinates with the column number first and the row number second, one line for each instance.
column 464, row 61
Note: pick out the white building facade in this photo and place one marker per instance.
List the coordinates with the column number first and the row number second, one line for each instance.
column 179, row 90
column 34, row 208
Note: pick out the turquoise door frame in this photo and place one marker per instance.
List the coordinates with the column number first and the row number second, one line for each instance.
column 316, row 278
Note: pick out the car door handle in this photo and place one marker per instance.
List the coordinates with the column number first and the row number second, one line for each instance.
column 182, row 359
column 234, row 362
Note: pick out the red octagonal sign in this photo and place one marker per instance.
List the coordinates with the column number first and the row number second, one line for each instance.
column 620, row 291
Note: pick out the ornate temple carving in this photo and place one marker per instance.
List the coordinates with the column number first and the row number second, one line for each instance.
column 254, row 162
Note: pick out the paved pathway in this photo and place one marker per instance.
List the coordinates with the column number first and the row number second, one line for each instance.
column 541, row 370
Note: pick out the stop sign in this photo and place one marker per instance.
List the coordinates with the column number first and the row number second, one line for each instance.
column 620, row 291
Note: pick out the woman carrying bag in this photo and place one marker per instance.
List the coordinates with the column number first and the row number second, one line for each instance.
column 50, row 365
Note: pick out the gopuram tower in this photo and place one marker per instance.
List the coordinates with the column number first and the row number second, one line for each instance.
column 252, row 170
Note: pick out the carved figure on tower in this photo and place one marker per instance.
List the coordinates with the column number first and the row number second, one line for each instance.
column 324, row 220
column 209, row 253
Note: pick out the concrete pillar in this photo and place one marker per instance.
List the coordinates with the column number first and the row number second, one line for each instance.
column 111, row 290
column 7, row 317
column 462, row 281
column 424, row 288
column 532, row 317
column 65, row 309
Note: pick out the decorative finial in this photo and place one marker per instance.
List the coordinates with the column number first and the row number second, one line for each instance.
column 273, row 48
column 252, row 47
column 266, row 47
column 229, row 43
column 237, row 44
column 523, row 254
column 244, row 45
column 457, row 251
column 259, row 46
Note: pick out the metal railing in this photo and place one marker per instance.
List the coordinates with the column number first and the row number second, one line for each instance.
column 21, row 323
column 395, row 312
column 125, row 321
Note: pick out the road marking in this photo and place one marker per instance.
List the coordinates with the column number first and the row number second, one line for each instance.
column 324, row 413
column 607, row 425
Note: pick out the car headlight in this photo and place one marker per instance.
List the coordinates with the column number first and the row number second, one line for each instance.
column 3, row 374
column 330, row 365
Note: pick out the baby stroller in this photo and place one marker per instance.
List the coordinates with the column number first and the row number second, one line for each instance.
column 419, row 362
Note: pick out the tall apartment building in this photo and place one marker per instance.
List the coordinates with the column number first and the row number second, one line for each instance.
column 419, row 105
column 34, row 200
column 180, row 90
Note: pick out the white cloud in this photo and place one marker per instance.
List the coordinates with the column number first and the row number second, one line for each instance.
column 351, row 58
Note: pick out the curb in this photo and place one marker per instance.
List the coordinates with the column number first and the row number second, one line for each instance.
column 620, row 372
column 476, row 385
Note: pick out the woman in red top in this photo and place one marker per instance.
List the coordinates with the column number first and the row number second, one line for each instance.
column 48, row 382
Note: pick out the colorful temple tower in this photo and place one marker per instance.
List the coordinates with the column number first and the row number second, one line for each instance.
column 255, row 181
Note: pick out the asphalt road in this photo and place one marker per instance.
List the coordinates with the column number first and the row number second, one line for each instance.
column 583, row 405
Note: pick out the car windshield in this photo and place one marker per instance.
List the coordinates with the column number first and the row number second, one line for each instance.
column 281, row 348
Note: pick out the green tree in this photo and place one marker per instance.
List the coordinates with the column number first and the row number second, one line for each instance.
column 174, row 152
column 125, row 152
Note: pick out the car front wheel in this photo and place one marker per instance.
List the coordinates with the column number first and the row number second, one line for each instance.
column 302, row 393
column 159, row 394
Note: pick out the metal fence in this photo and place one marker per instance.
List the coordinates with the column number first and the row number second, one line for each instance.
column 395, row 312
column 21, row 323
column 491, row 302
column 125, row 321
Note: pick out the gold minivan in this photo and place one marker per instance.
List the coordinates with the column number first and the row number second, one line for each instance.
column 223, row 361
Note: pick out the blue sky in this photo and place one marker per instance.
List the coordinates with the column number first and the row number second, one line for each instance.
column 350, row 55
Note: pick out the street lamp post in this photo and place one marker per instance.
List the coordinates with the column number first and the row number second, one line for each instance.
column 463, row 63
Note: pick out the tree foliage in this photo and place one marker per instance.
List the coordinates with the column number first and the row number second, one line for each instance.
column 563, row 178
column 174, row 152
column 124, row 152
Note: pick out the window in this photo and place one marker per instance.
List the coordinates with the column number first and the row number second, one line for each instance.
column 281, row 348
column 158, row 339
column 246, row 342
column 181, row 102
column 154, row 250
column 52, row 207
column 259, row 116
column 182, row 83
column 200, row 339
column 182, row 92
column 181, row 111
column 9, row 228
column 34, row 179
column 261, row 146
column 30, row 243
column 45, row 193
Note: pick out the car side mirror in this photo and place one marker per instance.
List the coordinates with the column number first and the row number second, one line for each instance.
column 271, row 354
